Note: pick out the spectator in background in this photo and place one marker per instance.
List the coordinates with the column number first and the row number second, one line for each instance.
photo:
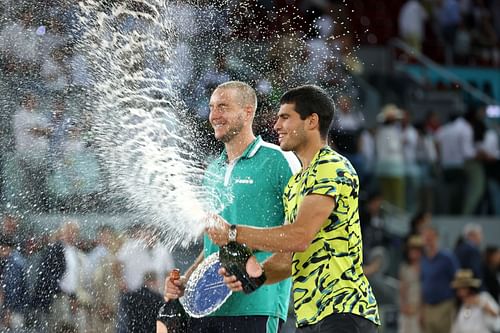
column 462, row 46
column 426, row 158
column 488, row 155
column 390, row 167
column 455, row 146
column 321, row 49
column 432, row 122
column 142, row 252
column 478, row 312
column 448, row 19
column 55, row 71
column 107, row 283
column 12, row 228
column 47, row 282
column 31, row 132
column 372, row 222
column 491, row 270
column 419, row 222
column 14, row 286
column 105, row 238
column 411, row 21
column 484, row 37
column 61, row 126
column 412, row 171
column 368, row 152
column 438, row 270
column 475, row 172
column 410, row 296
column 19, row 45
column 468, row 249
column 345, row 133
column 143, row 305
column 70, row 306
column 30, row 128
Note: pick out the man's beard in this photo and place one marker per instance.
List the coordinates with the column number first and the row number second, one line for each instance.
column 232, row 132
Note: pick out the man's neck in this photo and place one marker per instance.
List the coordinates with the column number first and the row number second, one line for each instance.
column 307, row 152
column 237, row 145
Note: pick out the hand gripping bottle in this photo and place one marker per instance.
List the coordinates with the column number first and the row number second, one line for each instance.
column 172, row 313
column 233, row 257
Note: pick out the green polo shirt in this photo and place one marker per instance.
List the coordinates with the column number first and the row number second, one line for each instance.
column 250, row 191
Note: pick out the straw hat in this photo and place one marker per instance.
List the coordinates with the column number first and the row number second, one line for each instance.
column 390, row 112
column 415, row 241
column 464, row 278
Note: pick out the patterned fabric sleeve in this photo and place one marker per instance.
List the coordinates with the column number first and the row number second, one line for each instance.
column 333, row 178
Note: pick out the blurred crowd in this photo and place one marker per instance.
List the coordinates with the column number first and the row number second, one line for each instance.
column 68, row 282
column 448, row 167
column 416, row 166
column 448, row 291
column 468, row 30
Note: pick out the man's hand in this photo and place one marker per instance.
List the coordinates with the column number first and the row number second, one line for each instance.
column 253, row 268
column 174, row 288
column 230, row 280
column 218, row 230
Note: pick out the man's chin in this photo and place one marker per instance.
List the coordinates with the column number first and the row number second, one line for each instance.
column 219, row 136
column 285, row 147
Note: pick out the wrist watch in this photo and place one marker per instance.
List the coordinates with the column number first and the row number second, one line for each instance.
column 232, row 233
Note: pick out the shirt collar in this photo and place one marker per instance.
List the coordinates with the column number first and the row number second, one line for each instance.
column 249, row 152
column 317, row 155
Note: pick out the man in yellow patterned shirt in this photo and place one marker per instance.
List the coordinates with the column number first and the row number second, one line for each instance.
column 320, row 246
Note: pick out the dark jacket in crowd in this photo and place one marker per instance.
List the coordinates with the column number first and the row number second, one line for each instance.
column 50, row 273
column 14, row 282
column 142, row 308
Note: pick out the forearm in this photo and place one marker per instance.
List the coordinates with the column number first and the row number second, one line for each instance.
column 286, row 238
column 196, row 263
column 278, row 267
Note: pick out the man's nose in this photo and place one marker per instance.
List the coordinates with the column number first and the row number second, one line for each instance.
column 216, row 112
column 277, row 125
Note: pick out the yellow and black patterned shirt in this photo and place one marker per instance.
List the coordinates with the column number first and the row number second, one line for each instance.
column 327, row 277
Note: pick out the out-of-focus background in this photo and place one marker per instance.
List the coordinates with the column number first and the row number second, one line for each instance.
column 417, row 87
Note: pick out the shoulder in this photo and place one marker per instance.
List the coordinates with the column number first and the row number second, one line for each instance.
column 447, row 255
column 271, row 151
column 333, row 162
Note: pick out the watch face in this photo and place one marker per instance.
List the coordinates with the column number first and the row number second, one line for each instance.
column 232, row 234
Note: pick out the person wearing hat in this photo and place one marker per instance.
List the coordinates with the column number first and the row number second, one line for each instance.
column 390, row 163
column 478, row 312
column 409, row 286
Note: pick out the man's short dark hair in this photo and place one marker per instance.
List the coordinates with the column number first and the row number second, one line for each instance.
column 309, row 99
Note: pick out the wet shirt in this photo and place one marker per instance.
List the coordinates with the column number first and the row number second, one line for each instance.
column 328, row 277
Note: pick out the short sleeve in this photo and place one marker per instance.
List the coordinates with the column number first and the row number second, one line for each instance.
column 332, row 178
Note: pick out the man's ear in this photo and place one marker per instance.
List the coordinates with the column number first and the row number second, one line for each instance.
column 249, row 112
column 312, row 121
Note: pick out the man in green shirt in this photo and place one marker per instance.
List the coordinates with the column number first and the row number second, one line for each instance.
column 320, row 246
column 248, row 179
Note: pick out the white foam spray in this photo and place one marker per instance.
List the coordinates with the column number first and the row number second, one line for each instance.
column 140, row 122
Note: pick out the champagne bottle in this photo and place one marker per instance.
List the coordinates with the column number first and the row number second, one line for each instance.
column 233, row 257
column 172, row 313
